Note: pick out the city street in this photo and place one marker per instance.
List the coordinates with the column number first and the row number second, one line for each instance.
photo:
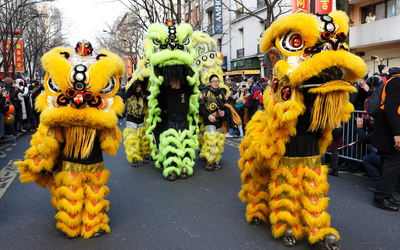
column 201, row 212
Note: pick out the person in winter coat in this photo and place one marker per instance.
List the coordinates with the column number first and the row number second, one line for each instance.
column 23, row 91
column 9, row 86
column 252, row 101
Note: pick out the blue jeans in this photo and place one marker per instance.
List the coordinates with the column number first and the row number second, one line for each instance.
column 372, row 164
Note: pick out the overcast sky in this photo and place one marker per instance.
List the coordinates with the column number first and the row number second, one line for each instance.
column 88, row 17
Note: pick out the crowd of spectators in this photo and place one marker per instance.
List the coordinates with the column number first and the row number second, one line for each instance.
column 246, row 97
column 22, row 95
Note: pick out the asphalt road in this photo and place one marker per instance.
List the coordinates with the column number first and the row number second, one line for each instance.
column 201, row 212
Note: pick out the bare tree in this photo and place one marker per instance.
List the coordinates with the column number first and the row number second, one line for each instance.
column 271, row 5
column 343, row 5
column 42, row 34
column 15, row 15
column 124, row 37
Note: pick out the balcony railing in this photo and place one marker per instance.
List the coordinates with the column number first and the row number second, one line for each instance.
column 240, row 53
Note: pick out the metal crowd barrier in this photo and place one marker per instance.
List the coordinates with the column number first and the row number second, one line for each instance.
column 350, row 150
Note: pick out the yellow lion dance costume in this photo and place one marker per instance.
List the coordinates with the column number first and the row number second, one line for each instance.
column 137, row 145
column 207, row 63
column 281, row 153
column 77, row 123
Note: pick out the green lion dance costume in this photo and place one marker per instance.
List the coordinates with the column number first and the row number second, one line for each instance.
column 137, row 145
column 77, row 123
column 281, row 153
column 173, row 135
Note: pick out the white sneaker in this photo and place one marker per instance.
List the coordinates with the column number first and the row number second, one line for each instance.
column 227, row 135
column 23, row 130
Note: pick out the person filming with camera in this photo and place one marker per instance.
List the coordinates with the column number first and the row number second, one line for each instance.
column 386, row 138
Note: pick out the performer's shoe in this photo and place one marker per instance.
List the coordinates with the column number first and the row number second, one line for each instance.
column 184, row 174
column 329, row 242
column 385, row 204
column 334, row 172
column 69, row 237
column 146, row 159
column 394, row 201
column 288, row 238
column 256, row 220
column 172, row 176
column 135, row 163
column 201, row 158
column 210, row 166
column 98, row 233
column 217, row 166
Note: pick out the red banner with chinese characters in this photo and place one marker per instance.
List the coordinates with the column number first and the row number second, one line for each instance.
column 128, row 66
column 298, row 5
column 323, row 6
column 19, row 56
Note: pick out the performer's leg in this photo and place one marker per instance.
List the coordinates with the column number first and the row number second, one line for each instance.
column 255, row 190
column 284, row 200
column 145, row 149
column 94, row 219
column 315, row 186
column 201, row 139
column 213, row 146
column 177, row 152
column 68, row 198
column 132, row 143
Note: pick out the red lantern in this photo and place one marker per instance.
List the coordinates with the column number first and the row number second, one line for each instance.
column 10, row 110
column 8, row 119
column 17, row 32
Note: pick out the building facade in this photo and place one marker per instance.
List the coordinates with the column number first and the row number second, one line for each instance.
column 380, row 37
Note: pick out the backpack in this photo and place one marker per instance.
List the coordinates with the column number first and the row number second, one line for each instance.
column 375, row 102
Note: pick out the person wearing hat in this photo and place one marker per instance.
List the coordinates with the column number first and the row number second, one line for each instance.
column 9, row 86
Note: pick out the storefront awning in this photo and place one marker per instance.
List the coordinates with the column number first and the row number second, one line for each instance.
column 241, row 72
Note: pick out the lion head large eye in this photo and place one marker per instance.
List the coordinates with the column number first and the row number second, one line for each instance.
column 292, row 42
column 52, row 86
column 186, row 41
column 156, row 41
column 110, row 86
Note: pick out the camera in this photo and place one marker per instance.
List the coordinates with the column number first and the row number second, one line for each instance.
column 367, row 122
column 373, row 57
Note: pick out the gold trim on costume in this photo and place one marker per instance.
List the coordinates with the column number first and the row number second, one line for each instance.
column 310, row 162
column 78, row 168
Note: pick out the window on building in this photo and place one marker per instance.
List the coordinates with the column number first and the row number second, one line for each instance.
column 380, row 9
column 219, row 44
column 210, row 15
column 239, row 13
column 366, row 10
column 392, row 8
column 241, row 38
column 260, row 4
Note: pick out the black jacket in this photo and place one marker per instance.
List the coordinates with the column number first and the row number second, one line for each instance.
column 387, row 121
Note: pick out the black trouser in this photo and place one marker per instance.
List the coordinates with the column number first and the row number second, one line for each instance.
column 390, row 172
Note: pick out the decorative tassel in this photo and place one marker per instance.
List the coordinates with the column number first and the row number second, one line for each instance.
column 79, row 140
